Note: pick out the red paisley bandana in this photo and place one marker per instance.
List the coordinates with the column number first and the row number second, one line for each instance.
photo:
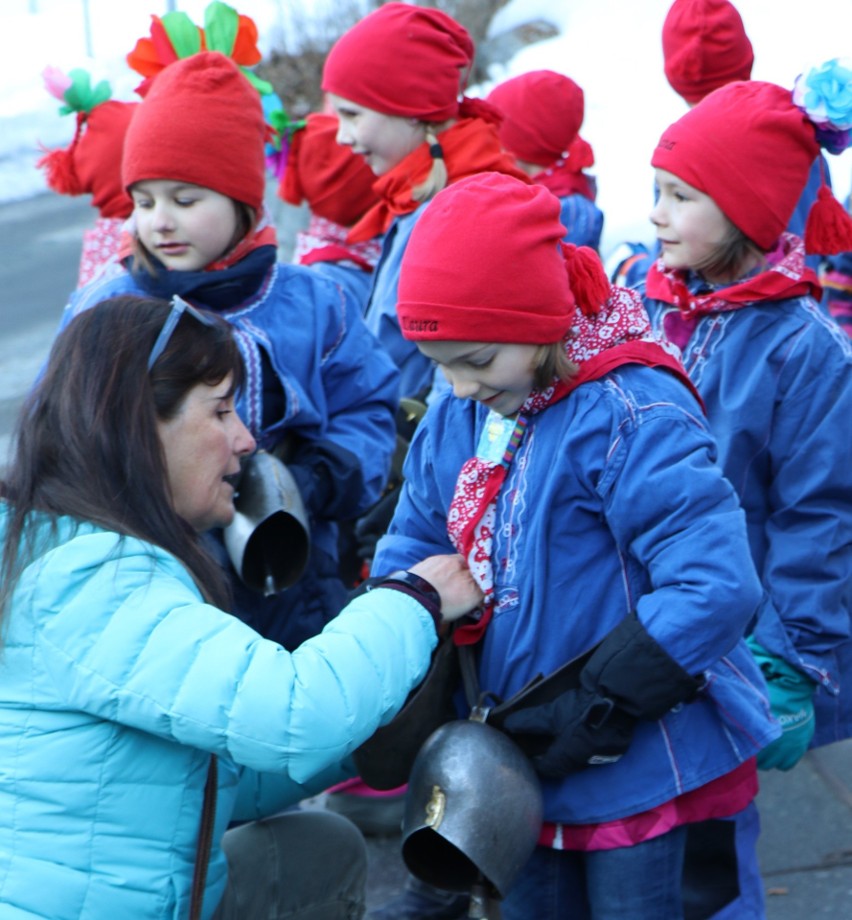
column 786, row 276
column 325, row 241
column 619, row 334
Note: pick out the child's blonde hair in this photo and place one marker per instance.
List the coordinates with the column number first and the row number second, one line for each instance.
column 437, row 178
column 551, row 363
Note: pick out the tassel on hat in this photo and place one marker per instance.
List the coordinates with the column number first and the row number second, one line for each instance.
column 58, row 165
column 587, row 277
column 91, row 163
column 824, row 95
column 828, row 229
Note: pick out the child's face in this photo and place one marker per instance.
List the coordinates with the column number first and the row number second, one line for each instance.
column 690, row 226
column 383, row 140
column 500, row 376
column 185, row 226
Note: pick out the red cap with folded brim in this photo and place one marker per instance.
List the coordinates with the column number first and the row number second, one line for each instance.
column 202, row 123
column 484, row 264
column 403, row 60
column 749, row 148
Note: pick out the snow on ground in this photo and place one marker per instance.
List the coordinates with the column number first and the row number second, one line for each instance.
column 610, row 47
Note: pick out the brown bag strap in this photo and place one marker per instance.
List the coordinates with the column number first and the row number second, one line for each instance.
column 205, row 841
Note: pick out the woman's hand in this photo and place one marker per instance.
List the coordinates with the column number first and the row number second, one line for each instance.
column 452, row 580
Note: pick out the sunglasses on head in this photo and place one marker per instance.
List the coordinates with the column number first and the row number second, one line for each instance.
column 179, row 307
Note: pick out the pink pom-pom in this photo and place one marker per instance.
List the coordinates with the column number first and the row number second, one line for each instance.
column 56, row 82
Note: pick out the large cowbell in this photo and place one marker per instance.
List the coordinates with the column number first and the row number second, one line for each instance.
column 269, row 539
column 473, row 810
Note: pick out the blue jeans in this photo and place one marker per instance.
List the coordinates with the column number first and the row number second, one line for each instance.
column 642, row 882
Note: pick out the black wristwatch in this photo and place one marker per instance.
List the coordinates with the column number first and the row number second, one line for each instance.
column 418, row 588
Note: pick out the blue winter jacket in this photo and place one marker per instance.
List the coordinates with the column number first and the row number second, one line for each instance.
column 776, row 378
column 613, row 503
column 118, row 683
column 583, row 220
column 416, row 369
column 333, row 384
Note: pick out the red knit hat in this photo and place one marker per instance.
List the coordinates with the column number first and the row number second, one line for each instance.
column 751, row 149
column 91, row 164
column 336, row 183
column 201, row 122
column 404, row 60
column 704, row 46
column 509, row 284
column 542, row 114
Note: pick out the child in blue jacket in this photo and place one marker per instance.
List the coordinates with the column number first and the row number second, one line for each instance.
column 319, row 390
column 417, row 132
column 572, row 469
column 733, row 292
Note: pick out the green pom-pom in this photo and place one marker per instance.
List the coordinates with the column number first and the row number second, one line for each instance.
column 81, row 96
column 262, row 86
column 221, row 24
column 183, row 34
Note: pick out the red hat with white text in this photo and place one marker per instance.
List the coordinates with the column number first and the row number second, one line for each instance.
column 518, row 283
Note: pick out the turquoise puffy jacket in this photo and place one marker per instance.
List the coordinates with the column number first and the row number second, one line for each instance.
column 118, row 682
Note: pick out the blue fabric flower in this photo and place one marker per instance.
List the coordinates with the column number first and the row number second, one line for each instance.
column 825, row 94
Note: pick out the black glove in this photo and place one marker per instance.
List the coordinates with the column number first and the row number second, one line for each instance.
column 628, row 677
column 633, row 670
column 578, row 729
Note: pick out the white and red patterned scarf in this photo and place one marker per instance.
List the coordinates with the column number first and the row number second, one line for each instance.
column 325, row 241
column 619, row 334
column 787, row 275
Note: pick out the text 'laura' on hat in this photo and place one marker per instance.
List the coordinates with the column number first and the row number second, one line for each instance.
column 485, row 264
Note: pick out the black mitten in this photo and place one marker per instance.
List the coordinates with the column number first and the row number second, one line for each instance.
column 576, row 730
column 634, row 671
column 628, row 677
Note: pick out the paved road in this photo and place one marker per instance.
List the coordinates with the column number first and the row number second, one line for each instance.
column 40, row 240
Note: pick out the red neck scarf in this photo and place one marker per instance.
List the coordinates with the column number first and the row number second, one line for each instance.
column 470, row 145
column 619, row 334
column 786, row 276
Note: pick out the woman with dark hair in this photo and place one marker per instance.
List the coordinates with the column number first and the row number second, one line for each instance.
column 137, row 718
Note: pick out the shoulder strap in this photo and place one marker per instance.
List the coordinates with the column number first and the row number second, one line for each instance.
column 205, row 841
